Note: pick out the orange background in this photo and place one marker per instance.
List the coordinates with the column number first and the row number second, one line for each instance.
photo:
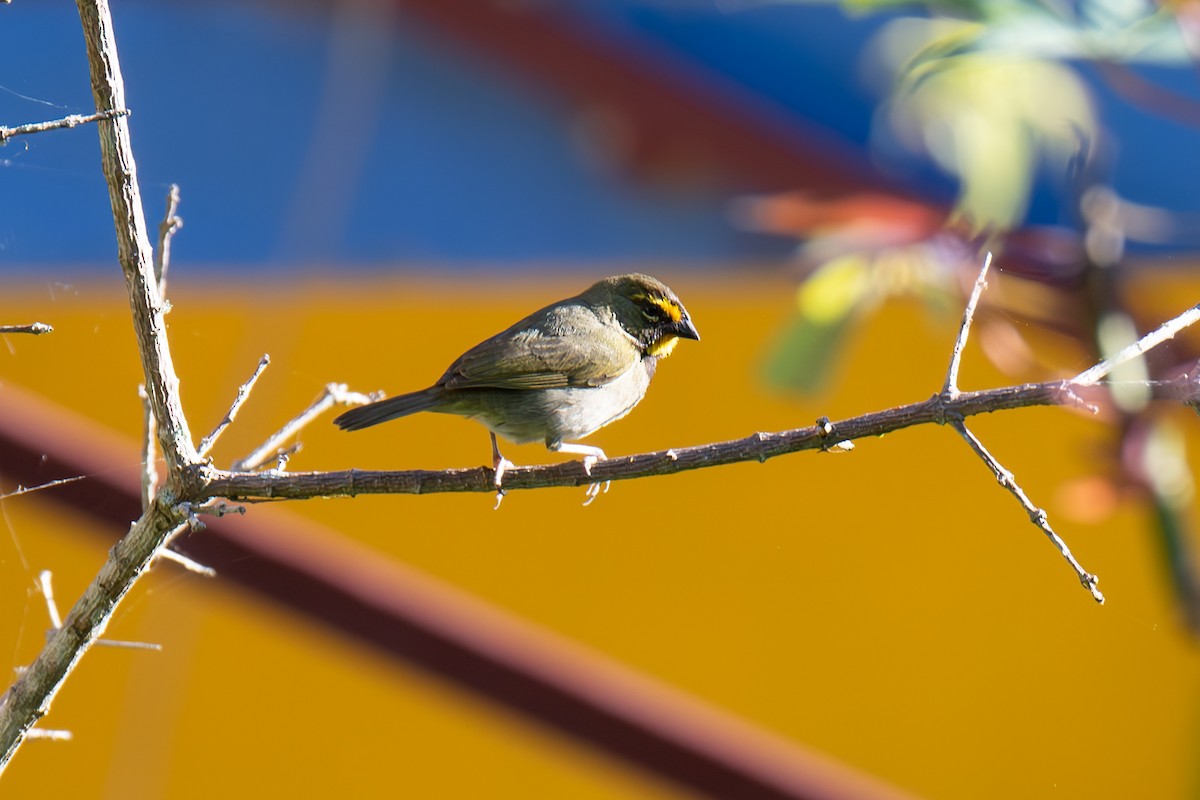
column 891, row 607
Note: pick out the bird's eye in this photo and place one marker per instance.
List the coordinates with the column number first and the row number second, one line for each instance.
column 652, row 313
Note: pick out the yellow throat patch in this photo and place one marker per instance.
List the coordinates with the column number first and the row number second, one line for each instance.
column 663, row 347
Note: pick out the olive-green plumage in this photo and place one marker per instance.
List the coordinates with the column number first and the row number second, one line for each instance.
column 559, row 374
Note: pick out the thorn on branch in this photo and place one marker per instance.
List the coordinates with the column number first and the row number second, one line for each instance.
column 761, row 438
column 826, row 431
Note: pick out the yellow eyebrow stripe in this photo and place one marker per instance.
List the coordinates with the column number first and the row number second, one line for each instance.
column 670, row 309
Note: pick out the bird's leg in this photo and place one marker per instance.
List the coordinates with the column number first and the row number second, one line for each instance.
column 590, row 456
column 499, row 465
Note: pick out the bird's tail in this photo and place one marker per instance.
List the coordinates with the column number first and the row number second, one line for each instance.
column 391, row 408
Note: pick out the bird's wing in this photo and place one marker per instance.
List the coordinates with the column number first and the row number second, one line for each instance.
column 544, row 356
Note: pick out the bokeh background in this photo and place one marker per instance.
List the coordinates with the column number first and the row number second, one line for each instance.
column 369, row 187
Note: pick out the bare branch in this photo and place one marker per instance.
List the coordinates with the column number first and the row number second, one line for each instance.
column 204, row 480
column 31, row 695
column 20, row 490
column 47, row 587
column 950, row 387
column 133, row 243
column 71, row 121
column 165, row 553
column 1162, row 333
column 333, row 394
column 149, row 451
column 206, row 444
column 189, row 564
column 162, row 260
column 83, row 625
column 950, row 392
column 35, row 328
column 119, row 644
column 207, row 481
column 1036, row 515
column 166, row 231
column 45, row 583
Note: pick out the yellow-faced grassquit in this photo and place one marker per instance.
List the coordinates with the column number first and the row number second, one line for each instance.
column 559, row 374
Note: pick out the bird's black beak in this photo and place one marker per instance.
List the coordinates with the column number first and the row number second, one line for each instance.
column 685, row 329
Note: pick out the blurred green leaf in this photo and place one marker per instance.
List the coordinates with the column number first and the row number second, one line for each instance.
column 828, row 303
column 987, row 118
column 1172, row 488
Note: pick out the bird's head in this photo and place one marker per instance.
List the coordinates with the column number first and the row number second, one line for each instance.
column 647, row 310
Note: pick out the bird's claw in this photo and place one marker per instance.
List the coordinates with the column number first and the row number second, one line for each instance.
column 593, row 489
column 500, row 466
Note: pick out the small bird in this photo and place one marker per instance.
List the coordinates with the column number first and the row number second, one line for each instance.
column 559, row 374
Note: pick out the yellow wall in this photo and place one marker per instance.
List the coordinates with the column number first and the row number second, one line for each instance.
column 892, row 607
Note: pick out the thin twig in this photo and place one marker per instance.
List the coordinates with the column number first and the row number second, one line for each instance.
column 950, row 387
column 120, row 644
column 187, row 563
column 56, row 124
column 166, row 231
column 36, row 328
column 45, row 583
column 1090, row 377
column 333, row 394
column 1004, row 476
column 206, row 444
column 47, row 588
column 167, row 554
column 1036, row 515
column 20, row 490
column 162, row 260
column 149, row 451
column 48, row 734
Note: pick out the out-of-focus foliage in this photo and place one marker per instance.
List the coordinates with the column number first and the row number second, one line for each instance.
column 991, row 93
column 833, row 299
column 985, row 117
column 994, row 95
